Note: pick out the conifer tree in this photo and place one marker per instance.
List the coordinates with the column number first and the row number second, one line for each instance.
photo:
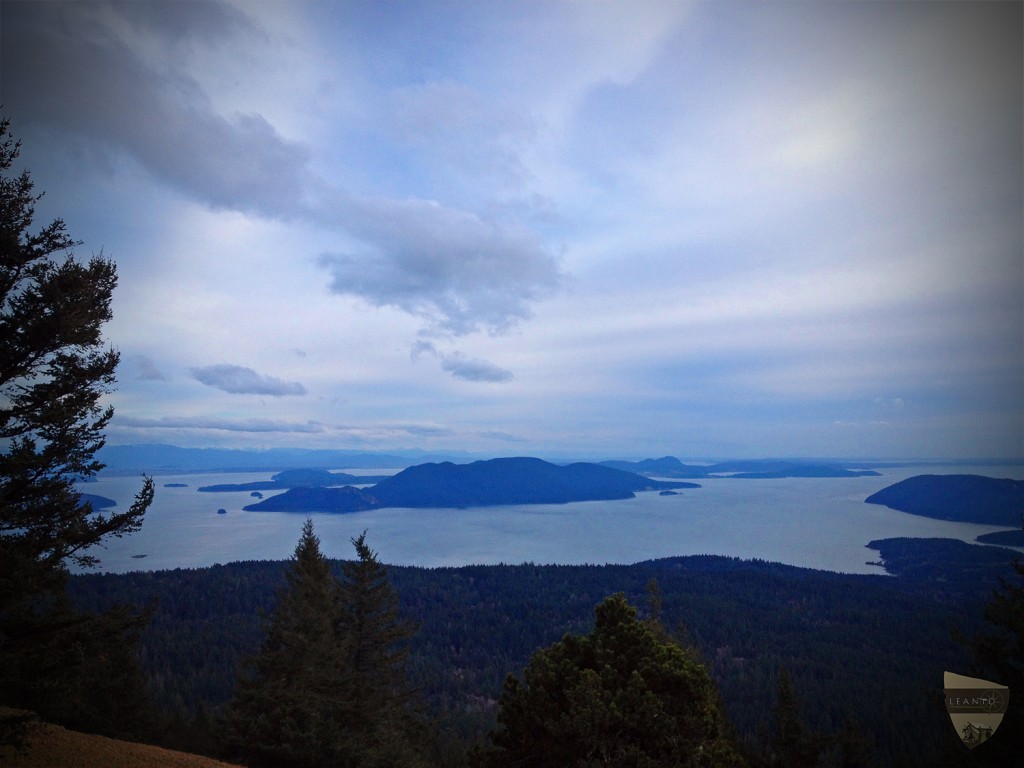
column 624, row 695
column 328, row 686
column 54, row 370
column 791, row 743
column 289, row 707
column 384, row 720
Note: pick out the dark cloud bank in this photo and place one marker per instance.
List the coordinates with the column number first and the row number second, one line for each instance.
column 66, row 68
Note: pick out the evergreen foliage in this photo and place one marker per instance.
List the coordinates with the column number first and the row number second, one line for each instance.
column 54, row 370
column 791, row 743
column 623, row 695
column 328, row 686
column 999, row 657
column 289, row 708
column 861, row 650
column 383, row 716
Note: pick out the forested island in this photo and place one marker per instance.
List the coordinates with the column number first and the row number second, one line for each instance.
column 1014, row 538
column 296, row 478
column 959, row 498
column 479, row 484
column 97, row 501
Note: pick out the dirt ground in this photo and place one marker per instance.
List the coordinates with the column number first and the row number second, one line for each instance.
column 50, row 746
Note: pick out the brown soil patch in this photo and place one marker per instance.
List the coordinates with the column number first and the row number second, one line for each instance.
column 50, row 746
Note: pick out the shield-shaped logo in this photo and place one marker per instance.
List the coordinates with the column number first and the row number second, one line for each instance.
column 975, row 706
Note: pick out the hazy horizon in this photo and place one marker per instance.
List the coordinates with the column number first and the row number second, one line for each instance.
column 610, row 230
column 414, row 454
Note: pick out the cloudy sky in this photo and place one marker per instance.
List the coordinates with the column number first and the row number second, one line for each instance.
column 599, row 229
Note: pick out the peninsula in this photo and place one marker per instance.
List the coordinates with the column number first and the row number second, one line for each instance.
column 959, row 498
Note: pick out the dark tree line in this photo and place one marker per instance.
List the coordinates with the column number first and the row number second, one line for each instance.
column 329, row 687
column 861, row 652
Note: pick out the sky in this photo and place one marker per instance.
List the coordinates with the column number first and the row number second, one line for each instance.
column 592, row 229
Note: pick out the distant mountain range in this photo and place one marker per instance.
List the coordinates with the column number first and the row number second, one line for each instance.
column 960, row 498
column 156, row 458
column 163, row 459
column 480, row 484
column 751, row 469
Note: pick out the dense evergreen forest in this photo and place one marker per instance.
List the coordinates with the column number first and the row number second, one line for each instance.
column 858, row 649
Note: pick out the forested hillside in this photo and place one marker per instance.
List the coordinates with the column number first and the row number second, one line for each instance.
column 867, row 648
column 963, row 498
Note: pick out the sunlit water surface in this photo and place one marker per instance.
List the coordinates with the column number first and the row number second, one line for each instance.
column 818, row 523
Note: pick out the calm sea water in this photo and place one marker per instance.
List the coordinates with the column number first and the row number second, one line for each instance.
column 818, row 523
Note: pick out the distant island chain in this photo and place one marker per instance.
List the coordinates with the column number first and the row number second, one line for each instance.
column 507, row 481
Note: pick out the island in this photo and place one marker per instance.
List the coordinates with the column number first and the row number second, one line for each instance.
column 320, row 499
column 97, row 502
column 957, row 498
column 752, row 469
column 494, row 482
column 296, row 478
column 175, row 485
column 1013, row 538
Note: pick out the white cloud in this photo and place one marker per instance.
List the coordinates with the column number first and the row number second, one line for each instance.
column 146, row 369
column 457, row 271
column 216, row 423
column 470, row 369
column 462, row 367
column 237, row 380
column 425, row 430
